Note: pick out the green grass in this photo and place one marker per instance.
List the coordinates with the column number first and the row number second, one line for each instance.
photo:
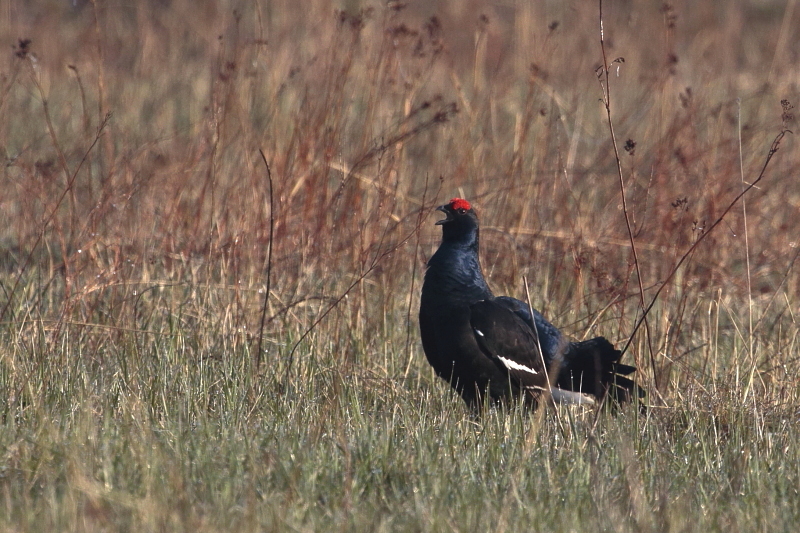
column 134, row 261
column 153, row 434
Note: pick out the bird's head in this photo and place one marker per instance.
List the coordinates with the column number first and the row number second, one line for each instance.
column 460, row 220
column 458, row 207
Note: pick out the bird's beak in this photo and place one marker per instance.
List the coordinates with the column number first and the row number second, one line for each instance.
column 443, row 209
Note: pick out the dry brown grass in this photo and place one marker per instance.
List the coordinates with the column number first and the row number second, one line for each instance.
column 362, row 114
column 135, row 204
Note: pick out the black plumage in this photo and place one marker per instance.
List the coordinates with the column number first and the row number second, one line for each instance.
column 498, row 346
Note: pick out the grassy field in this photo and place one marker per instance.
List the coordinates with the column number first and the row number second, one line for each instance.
column 187, row 347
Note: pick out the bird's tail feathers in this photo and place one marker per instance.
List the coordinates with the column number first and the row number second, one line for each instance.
column 593, row 367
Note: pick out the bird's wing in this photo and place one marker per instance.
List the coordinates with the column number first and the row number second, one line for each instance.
column 590, row 366
column 506, row 339
column 553, row 343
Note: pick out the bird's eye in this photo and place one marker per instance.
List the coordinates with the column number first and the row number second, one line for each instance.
column 462, row 211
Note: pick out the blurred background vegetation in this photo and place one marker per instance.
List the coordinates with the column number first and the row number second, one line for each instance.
column 135, row 229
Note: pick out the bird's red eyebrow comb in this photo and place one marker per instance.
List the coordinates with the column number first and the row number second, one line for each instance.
column 460, row 203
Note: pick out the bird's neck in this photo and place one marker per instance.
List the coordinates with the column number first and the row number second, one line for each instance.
column 460, row 236
column 455, row 269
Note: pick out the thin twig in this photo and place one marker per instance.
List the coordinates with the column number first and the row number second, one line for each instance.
column 52, row 214
column 413, row 280
column 607, row 104
column 439, row 117
column 269, row 263
column 746, row 238
column 373, row 265
column 772, row 150
column 556, row 360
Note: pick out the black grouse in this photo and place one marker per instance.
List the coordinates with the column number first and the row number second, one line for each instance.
column 498, row 346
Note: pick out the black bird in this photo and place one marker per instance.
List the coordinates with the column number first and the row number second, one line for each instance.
column 499, row 347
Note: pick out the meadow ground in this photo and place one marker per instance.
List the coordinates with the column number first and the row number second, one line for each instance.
column 184, row 347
